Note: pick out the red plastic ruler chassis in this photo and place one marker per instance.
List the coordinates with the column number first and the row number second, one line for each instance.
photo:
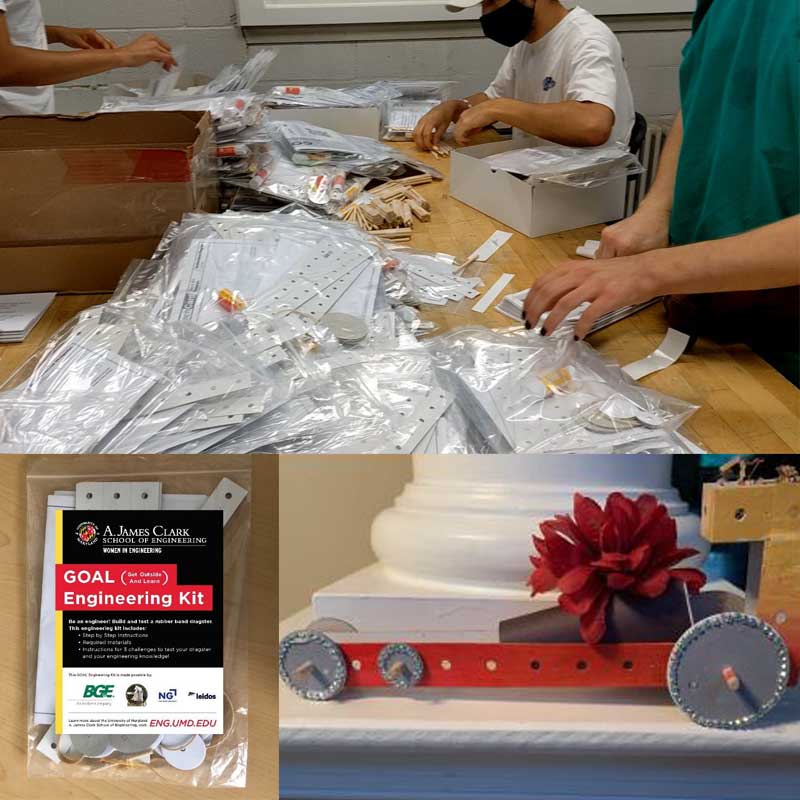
column 725, row 671
column 497, row 665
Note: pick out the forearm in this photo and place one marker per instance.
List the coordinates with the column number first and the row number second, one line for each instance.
column 53, row 33
column 764, row 258
column 25, row 66
column 569, row 123
column 662, row 191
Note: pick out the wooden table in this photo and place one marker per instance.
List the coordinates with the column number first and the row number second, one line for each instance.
column 262, row 767
column 745, row 405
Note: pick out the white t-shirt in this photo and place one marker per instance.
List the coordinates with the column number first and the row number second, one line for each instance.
column 26, row 29
column 580, row 59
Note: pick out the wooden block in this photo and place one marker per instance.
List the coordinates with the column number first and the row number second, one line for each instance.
column 734, row 512
column 420, row 212
column 415, row 180
column 417, row 197
column 779, row 590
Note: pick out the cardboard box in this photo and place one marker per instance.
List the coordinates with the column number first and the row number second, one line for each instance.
column 85, row 195
column 349, row 121
column 535, row 209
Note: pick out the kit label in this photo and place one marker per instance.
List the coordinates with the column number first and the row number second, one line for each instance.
column 138, row 599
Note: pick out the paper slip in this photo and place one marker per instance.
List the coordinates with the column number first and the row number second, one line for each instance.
column 20, row 312
column 491, row 246
column 492, row 293
column 665, row 355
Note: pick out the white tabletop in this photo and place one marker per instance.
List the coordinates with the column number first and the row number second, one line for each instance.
column 527, row 743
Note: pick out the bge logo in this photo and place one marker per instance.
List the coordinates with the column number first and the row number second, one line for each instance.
column 103, row 690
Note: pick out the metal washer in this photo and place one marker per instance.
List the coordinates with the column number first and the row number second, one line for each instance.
column 755, row 650
column 412, row 667
column 327, row 673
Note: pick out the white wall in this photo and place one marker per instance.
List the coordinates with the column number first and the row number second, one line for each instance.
column 327, row 504
column 342, row 55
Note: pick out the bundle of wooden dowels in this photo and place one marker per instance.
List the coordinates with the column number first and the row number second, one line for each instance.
column 389, row 210
column 441, row 150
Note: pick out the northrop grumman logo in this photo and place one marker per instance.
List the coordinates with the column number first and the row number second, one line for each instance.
column 87, row 533
column 202, row 695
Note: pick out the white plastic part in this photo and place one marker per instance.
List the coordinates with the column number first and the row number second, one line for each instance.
column 227, row 497
column 122, row 496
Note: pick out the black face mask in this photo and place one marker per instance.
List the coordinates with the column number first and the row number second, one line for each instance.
column 509, row 24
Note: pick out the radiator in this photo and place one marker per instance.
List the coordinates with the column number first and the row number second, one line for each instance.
column 654, row 140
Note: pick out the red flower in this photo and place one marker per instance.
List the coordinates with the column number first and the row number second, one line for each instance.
column 630, row 546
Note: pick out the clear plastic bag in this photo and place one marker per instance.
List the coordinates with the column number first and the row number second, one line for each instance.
column 583, row 168
column 245, row 77
column 305, row 144
column 534, row 394
column 221, row 759
column 415, row 277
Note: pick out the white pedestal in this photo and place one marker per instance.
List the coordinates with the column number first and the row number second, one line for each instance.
column 454, row 549
column 527, row 745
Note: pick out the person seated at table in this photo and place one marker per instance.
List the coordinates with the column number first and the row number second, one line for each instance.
column 562, row 81
column 726, row 197
column 28, row 69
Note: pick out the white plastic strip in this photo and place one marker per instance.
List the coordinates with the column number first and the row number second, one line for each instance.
column 227, row 497
column 491, row 246
column 665, row 355
column 203, row 390
column 113, row 495
column 492, row 293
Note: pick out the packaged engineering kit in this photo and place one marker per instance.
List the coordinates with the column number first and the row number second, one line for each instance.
column 137, row 626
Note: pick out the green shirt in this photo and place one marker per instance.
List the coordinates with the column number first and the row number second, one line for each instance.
column 739, row 166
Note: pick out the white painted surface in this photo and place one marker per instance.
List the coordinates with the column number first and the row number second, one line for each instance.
column 328, row 12
column 527, row 744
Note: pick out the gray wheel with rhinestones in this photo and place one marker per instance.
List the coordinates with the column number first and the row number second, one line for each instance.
column 400, row 665
column 728, row 671
column 312, row 665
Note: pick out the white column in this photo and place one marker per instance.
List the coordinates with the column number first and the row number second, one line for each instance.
column 467, row 522
column 453, row 551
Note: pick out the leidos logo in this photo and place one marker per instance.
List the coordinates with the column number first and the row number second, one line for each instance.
column 87, row 533
column 170, row 696
column 102, row 690
column 202, row 696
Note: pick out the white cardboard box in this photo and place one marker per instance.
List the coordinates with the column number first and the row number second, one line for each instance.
column 534, row 209
column 349, row 121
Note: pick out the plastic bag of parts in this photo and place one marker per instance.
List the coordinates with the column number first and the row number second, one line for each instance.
column 316, row 97
column 374, row 401
column 323, row 187
column 240, row 271
column 132, row 486
column 415, row 277
column 119, row 381
column 583, row 168
column 406, row 102
column 306, row 144
column 549, row 394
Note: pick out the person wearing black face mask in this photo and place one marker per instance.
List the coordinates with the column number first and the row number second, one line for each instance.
column 562, row 80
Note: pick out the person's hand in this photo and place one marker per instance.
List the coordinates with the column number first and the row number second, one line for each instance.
column 434, row 124
column 79, row 38
column 647, row 229
column 474, row 120
column 148, row 47
column 606, row 285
